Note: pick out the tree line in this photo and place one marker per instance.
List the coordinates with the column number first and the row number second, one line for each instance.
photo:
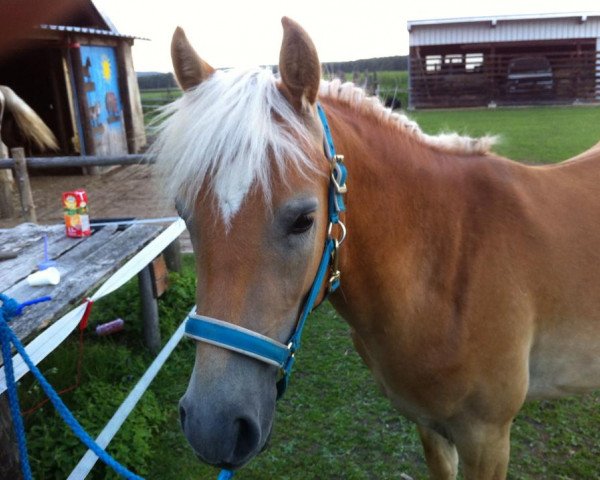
column 399, row 62
column 154, row 80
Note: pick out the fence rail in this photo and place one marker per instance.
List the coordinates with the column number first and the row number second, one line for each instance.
column 20, row 165
column 79, row 161
column 504, row 78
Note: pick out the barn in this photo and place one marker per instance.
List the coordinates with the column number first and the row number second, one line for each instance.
column 79, row 77
column 504, row 60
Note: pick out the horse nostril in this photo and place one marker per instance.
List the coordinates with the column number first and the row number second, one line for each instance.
column 248, row 436
column 182, row 415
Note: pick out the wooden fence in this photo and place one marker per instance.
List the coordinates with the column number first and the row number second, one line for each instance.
column 480, row 79
column 20, row 165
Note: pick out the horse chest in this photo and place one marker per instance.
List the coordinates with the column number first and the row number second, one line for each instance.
column 422, row 385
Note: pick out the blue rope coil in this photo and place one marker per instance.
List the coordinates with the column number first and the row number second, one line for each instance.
column 8, row 309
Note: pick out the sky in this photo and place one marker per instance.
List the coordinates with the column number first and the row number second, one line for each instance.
column 228, row 33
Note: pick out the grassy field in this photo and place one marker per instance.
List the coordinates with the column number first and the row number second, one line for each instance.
column 533, row 135
column 161, row 95
column 155, row 98
column 333, row 423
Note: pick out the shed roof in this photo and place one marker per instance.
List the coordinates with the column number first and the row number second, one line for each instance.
column 88, row 31
column 506, row 28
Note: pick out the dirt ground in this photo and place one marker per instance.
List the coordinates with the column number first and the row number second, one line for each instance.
column 128, row 191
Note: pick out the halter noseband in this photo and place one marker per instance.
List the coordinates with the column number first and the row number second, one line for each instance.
column 253, row 344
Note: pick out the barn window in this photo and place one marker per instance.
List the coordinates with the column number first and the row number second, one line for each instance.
column 473, row 62
column 453, row 62
column 453, row 59
column 433, row 63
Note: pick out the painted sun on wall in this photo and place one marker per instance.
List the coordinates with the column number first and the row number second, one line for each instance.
column 101, row 84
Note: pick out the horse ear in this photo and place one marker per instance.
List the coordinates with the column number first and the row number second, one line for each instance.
column 190, row 69
column 299, row 65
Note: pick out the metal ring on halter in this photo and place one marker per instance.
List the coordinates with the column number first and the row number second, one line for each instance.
column 344, row 231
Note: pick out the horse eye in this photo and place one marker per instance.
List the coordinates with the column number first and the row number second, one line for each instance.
column 301, row 225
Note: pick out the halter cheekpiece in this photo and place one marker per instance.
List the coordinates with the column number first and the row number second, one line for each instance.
column 253, row 344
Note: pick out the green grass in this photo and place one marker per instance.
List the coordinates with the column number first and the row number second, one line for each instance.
column 333, row 423
column 153, row 99
column 160, row 94
column 536, row 134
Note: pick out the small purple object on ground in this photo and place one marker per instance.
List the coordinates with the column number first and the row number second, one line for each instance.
column 111, row 327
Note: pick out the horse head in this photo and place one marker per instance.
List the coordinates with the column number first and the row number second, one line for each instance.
column 242, row 152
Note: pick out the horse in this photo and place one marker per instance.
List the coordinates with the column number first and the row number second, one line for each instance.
column 21, row 126
column 470, row 282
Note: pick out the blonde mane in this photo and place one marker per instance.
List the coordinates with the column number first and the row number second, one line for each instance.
column 225, row 134
column 227, row 131
column 357, row 98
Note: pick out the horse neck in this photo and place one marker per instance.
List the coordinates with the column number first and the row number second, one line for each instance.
column 393, row 176
column 401, row 194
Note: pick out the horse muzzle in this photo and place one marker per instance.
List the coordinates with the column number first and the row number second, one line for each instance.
column 228, row 409
column 223, row 441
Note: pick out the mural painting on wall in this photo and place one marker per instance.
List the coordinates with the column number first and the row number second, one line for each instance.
column 101, row 85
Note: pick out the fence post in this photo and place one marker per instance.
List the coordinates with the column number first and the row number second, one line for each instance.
column 27, row 205
column 7, row 209
column 150, row 327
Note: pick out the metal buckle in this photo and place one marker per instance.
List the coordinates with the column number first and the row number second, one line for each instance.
column 335, row 261
column 339, row 158
column 341, row 189
column 334, row 278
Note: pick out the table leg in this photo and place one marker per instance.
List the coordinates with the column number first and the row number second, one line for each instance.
column 10, row 466
column 150, row 327
column 173, row 256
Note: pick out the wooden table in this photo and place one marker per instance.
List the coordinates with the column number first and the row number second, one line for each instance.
column 84, row 264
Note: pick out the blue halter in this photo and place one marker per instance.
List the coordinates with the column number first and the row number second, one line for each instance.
column 247, row 342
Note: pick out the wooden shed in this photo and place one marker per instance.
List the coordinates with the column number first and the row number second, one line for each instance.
column 506, row 60
column 79, row 77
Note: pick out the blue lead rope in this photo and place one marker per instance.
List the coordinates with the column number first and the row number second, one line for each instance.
column 9, row 309
column 225, row 474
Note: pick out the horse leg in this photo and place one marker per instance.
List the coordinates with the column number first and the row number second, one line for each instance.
column 440, row 454
column 483, row 449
